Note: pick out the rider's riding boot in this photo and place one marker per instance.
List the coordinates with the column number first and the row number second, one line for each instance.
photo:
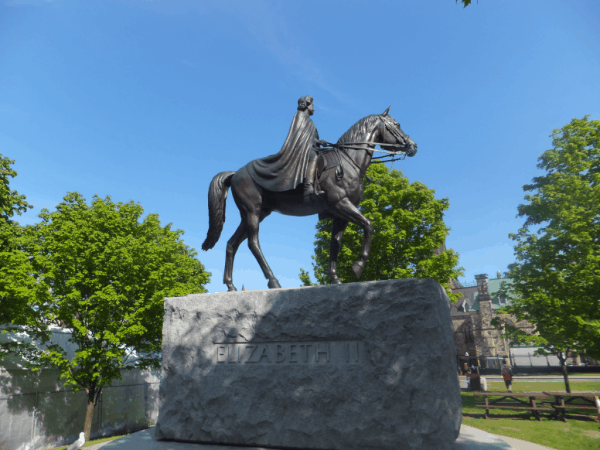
column 309, row 187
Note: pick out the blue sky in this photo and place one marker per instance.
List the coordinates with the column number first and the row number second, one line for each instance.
column 148, row 100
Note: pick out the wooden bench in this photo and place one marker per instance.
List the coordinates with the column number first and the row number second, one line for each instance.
column 564, row 401
column 533, row 398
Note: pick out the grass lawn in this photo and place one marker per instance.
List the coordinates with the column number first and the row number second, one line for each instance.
column 539, row 386
column 558, row 374
column 579, row 433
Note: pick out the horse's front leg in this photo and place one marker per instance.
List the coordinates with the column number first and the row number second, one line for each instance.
column 337, row 231
column 348, row 211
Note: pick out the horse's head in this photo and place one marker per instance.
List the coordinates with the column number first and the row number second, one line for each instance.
column 391, row 133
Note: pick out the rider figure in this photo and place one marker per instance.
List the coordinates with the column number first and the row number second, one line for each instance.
column 296, row 162
column 306, row 104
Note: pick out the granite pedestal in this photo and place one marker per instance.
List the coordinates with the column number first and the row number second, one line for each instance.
column 356, row 366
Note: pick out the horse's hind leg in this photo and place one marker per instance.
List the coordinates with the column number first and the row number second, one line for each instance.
column 252, row 225
column 337, row 231
column 232, row 247
column 233, row 244
column 249, row 198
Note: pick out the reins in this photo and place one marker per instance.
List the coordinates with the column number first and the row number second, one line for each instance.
column 352, row 145
column 358, row 146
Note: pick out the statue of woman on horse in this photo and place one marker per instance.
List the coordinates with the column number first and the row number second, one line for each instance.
column 283, row 183
column 296, row 162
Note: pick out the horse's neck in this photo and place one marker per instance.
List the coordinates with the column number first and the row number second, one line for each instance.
column 362, row 158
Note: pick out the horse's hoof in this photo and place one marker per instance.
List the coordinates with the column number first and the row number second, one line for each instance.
column 231, row 288
column 274, row 284
column 357, row 268
column 336, row 281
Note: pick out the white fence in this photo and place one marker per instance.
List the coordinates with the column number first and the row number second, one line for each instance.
column 45, row 418
column 528, row 359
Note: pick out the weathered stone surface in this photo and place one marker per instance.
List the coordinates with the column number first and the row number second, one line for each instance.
column 354, row 366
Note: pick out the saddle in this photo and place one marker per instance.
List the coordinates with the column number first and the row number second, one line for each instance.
column 328, row 160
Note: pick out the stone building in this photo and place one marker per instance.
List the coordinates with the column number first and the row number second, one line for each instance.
column 471, row 319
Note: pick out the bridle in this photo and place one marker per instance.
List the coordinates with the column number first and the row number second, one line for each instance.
column 361, row 146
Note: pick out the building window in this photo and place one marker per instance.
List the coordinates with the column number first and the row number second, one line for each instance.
column 469, row 336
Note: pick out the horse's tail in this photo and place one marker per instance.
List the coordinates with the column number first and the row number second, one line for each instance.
column 217, row 195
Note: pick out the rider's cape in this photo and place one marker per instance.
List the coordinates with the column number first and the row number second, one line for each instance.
column 285, row 170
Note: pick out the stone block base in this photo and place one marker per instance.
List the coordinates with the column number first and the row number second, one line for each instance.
column 356, row 366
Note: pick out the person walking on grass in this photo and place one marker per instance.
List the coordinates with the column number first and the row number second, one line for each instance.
column 507, row 376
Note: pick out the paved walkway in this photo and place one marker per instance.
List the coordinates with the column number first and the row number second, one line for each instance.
column 470, row 439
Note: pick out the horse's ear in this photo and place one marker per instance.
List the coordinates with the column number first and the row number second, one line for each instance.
column 385, row 113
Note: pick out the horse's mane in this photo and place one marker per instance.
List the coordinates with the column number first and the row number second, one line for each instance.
column 359, row 128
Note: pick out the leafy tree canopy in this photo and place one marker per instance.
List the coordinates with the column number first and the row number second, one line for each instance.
column 103, row 273
column 408, row 226
column 14, row 264
column 557, row 273
column 305, row 278
column 11, row 203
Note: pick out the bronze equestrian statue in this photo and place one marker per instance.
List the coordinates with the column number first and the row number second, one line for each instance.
column 302, row 180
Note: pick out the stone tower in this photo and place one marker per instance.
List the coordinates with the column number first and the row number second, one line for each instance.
column 488, row 339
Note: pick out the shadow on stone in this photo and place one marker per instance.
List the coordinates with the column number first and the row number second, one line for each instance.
column 353, row 366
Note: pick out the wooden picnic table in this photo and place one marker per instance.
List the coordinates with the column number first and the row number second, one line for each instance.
column 517, row 401
column 564, row 401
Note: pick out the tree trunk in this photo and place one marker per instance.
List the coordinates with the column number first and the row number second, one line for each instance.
column 92, row 399
column 563, row 361
column 89, row 414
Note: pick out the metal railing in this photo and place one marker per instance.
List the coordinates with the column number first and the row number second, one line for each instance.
column 469, row 284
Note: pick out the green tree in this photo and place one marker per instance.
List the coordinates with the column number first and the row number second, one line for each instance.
column 14, row 263
column 104, row 274
column 408, row 226
column 557, row 270
column 305, row 278
column 558, row 342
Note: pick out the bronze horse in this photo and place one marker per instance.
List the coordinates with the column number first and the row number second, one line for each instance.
column 339, row 176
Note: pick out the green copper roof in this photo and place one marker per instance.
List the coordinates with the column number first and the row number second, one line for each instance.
column 494, row 288
column 495, row 284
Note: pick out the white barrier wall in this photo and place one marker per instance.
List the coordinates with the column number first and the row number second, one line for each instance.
column 525, row 357
column 36, row 411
